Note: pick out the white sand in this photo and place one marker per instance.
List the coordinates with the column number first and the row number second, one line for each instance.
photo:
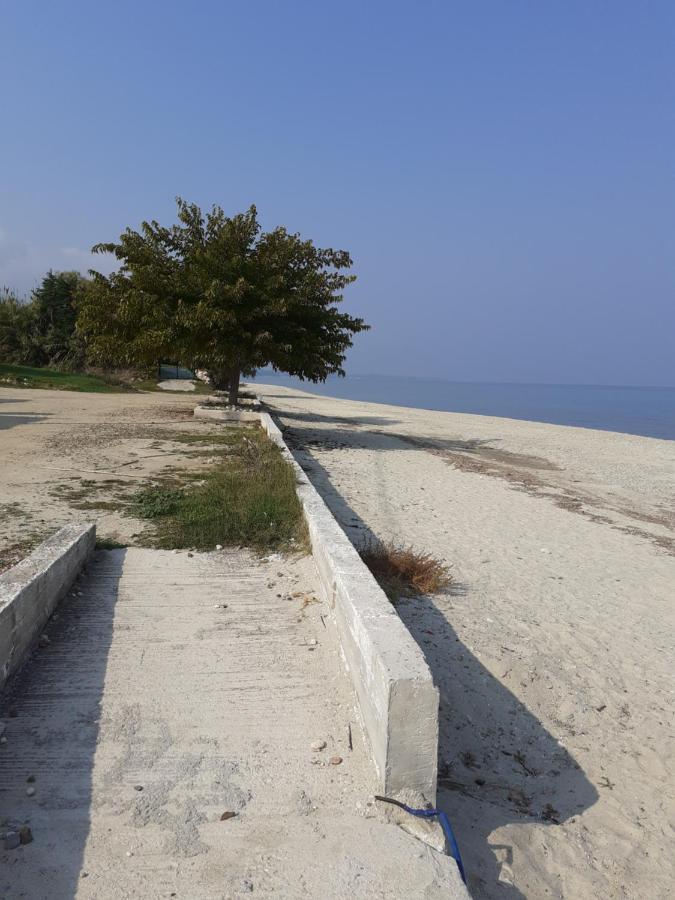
column 554, row 648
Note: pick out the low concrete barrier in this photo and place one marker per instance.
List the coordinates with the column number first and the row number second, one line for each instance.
column 30, row 591
column 397, row 697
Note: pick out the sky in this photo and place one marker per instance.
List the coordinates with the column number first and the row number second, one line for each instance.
column 502, row 173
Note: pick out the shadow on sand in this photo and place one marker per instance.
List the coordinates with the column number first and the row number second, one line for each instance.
column 11, row 420
column 498, row 764
column 52, row 709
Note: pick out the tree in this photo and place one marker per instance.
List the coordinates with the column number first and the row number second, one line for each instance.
column 214, row 293
column 20, row 341
column 55, row 307
column 41, row 331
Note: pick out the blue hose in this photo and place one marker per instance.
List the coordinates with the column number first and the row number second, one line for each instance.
column 445, row 825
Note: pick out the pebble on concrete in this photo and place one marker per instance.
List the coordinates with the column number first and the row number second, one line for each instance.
column 335, row 760
column 318, row 745
column 12, row 840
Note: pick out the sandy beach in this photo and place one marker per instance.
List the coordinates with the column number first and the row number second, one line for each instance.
column 553, row 649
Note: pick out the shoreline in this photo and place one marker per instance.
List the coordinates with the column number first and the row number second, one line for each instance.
column 518, row 395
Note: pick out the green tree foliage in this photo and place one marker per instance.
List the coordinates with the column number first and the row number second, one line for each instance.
column 19, row 336
column 215, row 293
column 41, row 332
column 55, row 303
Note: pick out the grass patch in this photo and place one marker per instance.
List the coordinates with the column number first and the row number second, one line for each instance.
column 50, row 379
column 247, row 499
column 156, row 502
column 402, row 571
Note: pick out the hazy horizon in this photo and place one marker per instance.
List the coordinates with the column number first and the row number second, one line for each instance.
column 501, row 174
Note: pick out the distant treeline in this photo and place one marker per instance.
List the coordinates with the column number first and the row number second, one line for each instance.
column 41, row 331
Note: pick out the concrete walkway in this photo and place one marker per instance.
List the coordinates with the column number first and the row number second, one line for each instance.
column 177, row 689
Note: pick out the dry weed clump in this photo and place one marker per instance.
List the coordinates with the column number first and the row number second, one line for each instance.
column 403, row 571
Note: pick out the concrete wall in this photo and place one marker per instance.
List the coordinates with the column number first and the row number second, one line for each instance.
column 397, row 697
column 30, row 591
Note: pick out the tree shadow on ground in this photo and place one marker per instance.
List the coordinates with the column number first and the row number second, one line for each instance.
column 498, row 764
column 352, row 421
column 51, row 708
column 11, row 420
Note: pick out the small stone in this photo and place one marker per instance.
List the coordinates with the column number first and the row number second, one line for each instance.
column 335, row 760
column 30, row 792
column 25, row 834
column 313, row 642
column 318, row 745
column 3, row 740
column 219, row 546
column 84, row 875
column 191, row 554
column 129, row 853
column 247, row 887
column 12, row 840
column 174, row 551
column 30, row 779
column 138, row 787
column 228, row 814
column 44, row 641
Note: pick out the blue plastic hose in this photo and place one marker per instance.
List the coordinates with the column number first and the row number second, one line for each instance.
column 445, row 825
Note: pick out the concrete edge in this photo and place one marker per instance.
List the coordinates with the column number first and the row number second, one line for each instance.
column 397, row 697
column 31, row 590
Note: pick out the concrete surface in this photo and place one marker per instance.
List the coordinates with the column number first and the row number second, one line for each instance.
column 31, row 590
column 177, row 688
column 397, row 697
column 226, row 415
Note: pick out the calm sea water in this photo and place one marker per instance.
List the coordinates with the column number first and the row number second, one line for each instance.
column 648, row 411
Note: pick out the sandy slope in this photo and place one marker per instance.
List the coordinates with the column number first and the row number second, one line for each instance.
column 553, row 650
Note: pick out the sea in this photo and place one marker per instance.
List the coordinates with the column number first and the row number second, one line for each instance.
column 647, row 411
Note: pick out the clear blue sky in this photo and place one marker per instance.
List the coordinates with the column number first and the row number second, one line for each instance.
column 502, row 172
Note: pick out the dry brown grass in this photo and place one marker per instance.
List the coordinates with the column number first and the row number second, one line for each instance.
column 402, row 571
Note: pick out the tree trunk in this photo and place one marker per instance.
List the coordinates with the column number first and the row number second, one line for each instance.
column 234, row 385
